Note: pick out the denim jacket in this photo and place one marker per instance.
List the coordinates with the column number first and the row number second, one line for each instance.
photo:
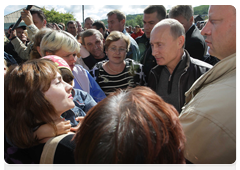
column 88, row 84
column 83, row 103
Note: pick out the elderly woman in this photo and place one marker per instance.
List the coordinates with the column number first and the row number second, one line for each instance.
column 118, row 72
column 131, row 126
column 34, row 95
column 64, row 45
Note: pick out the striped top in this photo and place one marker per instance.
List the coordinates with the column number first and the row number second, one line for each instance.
column 131, row 76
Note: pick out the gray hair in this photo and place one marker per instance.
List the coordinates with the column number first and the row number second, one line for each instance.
column 181, row 10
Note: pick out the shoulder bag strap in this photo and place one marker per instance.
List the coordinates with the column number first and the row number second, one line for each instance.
column 49, row 149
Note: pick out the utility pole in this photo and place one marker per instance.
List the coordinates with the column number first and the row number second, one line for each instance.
column 83, row 15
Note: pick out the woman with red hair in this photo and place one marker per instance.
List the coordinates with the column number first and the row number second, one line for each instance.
column 131, row 126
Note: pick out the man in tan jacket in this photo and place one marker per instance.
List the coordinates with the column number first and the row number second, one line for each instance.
column 209, row 115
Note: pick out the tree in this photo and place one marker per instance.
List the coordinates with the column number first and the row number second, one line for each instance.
column 139, row 20
column 131, row 22
column 57, row 17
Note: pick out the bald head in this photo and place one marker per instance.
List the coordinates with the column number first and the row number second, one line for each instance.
column 220, row 31
column 175, row 27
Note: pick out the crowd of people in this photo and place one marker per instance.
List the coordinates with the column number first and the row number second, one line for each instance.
column 162, row 94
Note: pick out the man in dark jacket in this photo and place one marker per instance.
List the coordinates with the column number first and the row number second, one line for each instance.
column 152, row 15
column 194, row 41
column 176, row 70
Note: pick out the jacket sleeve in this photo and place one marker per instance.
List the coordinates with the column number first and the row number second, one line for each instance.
column 32, row 30
column 95, row 90
column 88, row 101
column 22, row 50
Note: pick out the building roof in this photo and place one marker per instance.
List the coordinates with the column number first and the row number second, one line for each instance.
column 13, row 17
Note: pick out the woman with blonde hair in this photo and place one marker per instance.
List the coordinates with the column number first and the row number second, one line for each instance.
column 64, row 45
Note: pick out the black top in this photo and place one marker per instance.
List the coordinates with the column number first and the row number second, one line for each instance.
column 64, row 153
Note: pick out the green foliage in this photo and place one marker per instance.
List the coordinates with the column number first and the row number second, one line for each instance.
column 200, row 10
column 57, row 17
column 134, row 20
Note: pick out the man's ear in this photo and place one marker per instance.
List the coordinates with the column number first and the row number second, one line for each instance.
column 192, row 19
column 181, row 41
column 45, row 23
column 122, row 22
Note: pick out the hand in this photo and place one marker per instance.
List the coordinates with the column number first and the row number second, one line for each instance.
column 80, row 119
column 55, row 27
column 63, row 126
column 12, row 33
column 84, row 52
column 27, row 17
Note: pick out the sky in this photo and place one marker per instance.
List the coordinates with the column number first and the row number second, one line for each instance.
column 97, row 12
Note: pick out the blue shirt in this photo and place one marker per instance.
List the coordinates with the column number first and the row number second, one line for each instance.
column 83, row 103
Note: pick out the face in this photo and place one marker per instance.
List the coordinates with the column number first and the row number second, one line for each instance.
column 88, row 24
column 186, row 24
column 72, row 29
column 69, row 57
column 59, row 95
column 94, row 45
column 101, row 30
column 137, row 29
column 38, row 22
column 117, row 51
column 165, row 48
column 79, row 27
column 149, row 21
column 21, row 35
column 220, row 31
column 114, row 24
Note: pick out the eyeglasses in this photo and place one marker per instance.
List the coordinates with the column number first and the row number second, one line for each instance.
column 120, row 50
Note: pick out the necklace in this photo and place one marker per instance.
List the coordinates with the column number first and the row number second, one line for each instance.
column 111, row 69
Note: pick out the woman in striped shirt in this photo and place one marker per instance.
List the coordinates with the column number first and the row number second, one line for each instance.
column 118, row 72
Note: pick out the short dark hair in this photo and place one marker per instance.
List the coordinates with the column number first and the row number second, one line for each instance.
column 67, row 75
column 89, row 19
column 160, row 9
column 120, row 15
column 71, row 22
column 39, row 13
column 99, row 24
column 131, row 126
column 181, row 10
column 90, row 32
